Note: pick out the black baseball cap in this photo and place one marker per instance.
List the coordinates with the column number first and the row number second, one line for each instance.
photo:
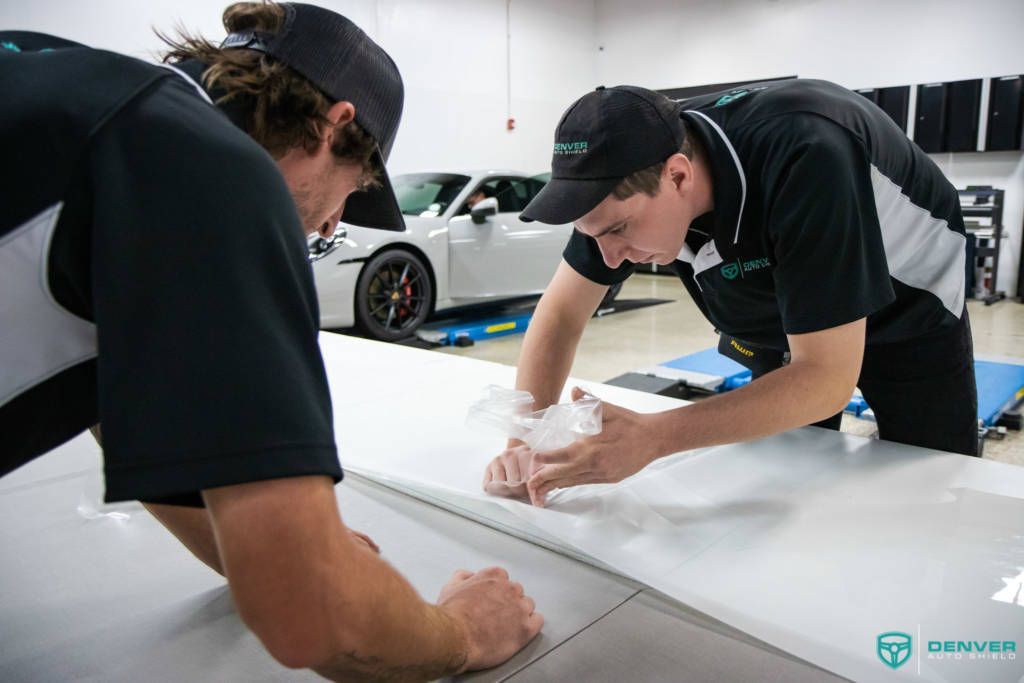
column 336, row 56
column 603, row 137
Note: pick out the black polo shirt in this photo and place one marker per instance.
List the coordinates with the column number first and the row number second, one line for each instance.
column 825, row 213
column 153, row 277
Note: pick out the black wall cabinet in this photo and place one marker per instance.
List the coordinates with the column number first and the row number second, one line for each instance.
column 930, row 126
column 1005, row 114
column 893, row 101
column 947, row 116
column 963, row 106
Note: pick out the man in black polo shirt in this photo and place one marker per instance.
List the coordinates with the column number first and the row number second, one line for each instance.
column 825, row 246
column 154, row 279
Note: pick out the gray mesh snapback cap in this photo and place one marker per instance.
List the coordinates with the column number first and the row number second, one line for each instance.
column 340, row 59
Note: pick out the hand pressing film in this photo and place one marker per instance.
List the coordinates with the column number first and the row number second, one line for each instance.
column 507, row 474
column 623, row 447
column 549, row 430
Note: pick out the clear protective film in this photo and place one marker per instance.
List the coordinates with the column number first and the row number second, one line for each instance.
column 874, row 560
column 508, row 411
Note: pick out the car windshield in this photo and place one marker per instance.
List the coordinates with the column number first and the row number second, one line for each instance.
column 427, row 194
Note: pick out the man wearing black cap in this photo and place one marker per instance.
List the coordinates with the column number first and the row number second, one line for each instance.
column 154, row 278
column 826, row 247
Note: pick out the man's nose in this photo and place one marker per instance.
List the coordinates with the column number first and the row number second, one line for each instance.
column 327, row 229
column 335, row 217
column 613, row 251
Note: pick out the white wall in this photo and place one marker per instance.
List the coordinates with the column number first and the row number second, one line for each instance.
column 452, row 55
column 856, row 43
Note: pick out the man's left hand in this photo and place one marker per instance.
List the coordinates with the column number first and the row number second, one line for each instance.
column 624, row 447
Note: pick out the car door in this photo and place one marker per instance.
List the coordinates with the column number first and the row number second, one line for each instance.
column 539, row 246
column 503, row 256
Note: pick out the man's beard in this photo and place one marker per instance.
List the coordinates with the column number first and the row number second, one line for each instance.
column 309, row 215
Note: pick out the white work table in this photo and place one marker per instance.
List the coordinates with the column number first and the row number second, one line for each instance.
column 89, row 595
column 86, row 596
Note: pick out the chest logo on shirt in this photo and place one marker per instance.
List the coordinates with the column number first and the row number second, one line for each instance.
column 730, row 271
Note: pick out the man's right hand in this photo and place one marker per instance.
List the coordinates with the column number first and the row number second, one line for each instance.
column 498, row 619
column 507, row 474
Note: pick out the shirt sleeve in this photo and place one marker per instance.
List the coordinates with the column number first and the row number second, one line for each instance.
column 583, row 254
column 209, row 371
column 830, row 265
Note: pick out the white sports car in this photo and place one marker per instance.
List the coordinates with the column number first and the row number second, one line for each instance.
column 463, row 245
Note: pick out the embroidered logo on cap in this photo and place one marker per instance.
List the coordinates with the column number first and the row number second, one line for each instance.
column 578, row 147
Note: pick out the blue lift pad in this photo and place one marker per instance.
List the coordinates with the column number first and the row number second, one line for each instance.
column 1000, row 388
column 856, row 406
column 485, row 329
column 1000, row 385
column 711, row 362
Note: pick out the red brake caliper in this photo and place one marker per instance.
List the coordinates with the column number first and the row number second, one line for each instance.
column 405, row 309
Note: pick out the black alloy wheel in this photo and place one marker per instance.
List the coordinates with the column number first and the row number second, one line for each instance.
column 394, row 295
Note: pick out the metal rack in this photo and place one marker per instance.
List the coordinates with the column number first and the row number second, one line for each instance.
column 984, row 202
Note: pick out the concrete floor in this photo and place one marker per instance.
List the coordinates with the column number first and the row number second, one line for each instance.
column 629, row 341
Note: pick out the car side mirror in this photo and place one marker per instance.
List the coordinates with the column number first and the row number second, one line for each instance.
column 484, row 208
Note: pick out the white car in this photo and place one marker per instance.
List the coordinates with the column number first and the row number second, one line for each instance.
column 388, row 283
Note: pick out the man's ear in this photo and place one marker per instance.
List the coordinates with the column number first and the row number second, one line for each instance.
column 339, row 114
column 680, row 171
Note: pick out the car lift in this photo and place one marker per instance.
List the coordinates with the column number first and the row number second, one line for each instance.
column 466, row 331
column 1000, row 387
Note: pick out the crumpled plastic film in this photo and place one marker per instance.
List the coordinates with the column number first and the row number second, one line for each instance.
column 501, row 409
column 508, row 412
column 557, row 426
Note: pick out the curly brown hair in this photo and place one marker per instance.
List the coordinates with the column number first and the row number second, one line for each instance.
column 646, row 180
column 284, row 110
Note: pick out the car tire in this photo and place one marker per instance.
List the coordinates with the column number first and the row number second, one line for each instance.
column 394, row 295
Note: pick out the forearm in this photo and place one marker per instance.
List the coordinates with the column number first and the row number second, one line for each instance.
column 192, row 527
column 403, row 638
column 790, row 397
column 318, row 599
column 554, row 333
column 546, row 356
column 544, row 361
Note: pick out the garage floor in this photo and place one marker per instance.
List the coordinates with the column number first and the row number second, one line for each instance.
column 628, row 341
